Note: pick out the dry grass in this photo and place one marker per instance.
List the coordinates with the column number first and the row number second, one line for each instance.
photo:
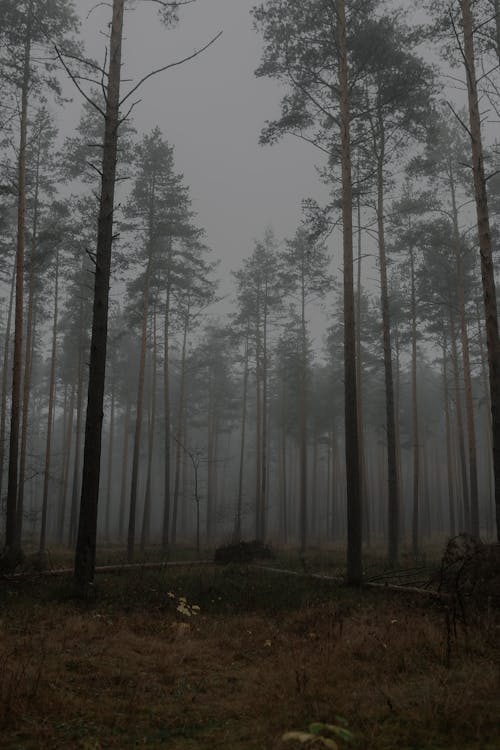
column 265, row 655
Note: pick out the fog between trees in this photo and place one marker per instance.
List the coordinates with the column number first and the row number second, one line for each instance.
column 173, row 413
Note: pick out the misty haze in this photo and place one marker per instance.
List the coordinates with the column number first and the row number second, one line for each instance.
column 250, row 381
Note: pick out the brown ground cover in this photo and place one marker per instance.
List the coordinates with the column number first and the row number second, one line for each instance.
column 264, row 654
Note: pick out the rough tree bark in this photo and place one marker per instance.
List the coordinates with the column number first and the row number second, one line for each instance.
column 483, row 222
column 353, row 478
column 11, row 537
column 87, row 528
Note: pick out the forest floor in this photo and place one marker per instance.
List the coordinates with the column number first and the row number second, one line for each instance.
column 232, row 657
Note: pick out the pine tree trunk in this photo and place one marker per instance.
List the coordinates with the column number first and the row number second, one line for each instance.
column 123, row 489
column 258, row 424
column 464, row 515
column 78, row 436
column 284, row 463
column 146, row 518
column 11, row 535
column 28, row 358
column 449, row 454
column 87, row 530
column 138, row 414
column 353, row 478
column 392, row 462
column 166, row 402
column 263, row 481
column 487, row 269
column 210, row 459
column 414, row 399
column 359, row 384
column 179, row 437
column 303, row 425
column 5, row 382
column 484, row 378
column 67, row 436
column 107, row 519
column 239, row 502
column 50, row 415
column 464, row 338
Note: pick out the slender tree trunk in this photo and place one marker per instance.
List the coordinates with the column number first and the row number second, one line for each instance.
column 78, row 432
column 67, row 435
column 166, row 402
column 87, row 530
column 11, row 535
column 464, row 338
column 354, row 509
column 263, row 481
column 210, row 458
column 239, row 502
column 50, row 415
column 125, row 457
column 392, row 463
column 449, row 454
column 359, row 383
column 487, row 269
column 484, row 378
column 303, row 425
column 179, row 439
column 414, row 399
column 5, row 382
column 146, row 518
column 258, row 424
column 464, row 521
column 138, row 413
column 107, row 519
column 28, row 358
column 284, row 480
column 313, row 531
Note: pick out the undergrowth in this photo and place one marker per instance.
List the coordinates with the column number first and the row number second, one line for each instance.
column 235, row 658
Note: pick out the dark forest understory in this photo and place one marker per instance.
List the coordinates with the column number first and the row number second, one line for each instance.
column 265, row 654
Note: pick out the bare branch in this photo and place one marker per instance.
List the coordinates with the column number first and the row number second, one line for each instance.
column 462, row 123
column 171, row 65
column 75, row 81
column 125, row 117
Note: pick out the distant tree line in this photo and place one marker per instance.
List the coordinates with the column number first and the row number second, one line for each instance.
column 144, row 418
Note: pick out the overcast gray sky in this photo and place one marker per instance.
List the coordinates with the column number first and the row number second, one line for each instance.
column 212, row 110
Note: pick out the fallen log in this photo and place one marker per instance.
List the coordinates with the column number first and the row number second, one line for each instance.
column 107, row 569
